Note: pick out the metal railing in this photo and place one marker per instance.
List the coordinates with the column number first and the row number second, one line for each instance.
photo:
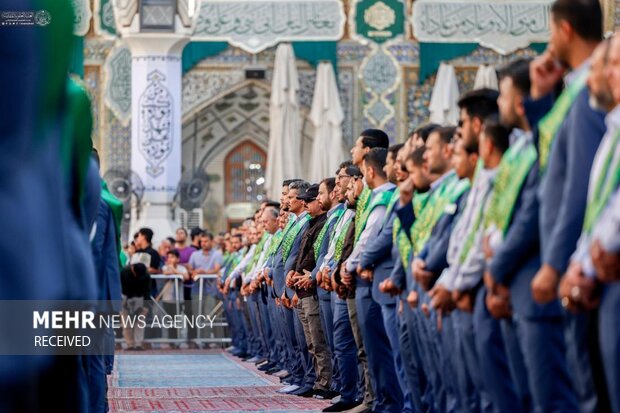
column 178, row 296
column 201, row 284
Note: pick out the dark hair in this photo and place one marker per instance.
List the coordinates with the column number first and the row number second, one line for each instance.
column 519, row 72
column 394, row 149
column 344, row 165
column 354, row 171
column 375, row 138
column 171, row 240
column 299, row 185
column 425, row 131
column 584, row 16
column 479, row 103
column 174, row 252
column 273, row 204
column 375, row 158
column 497, row 133
column 287, row 182
column 195, row 232
column 182, row 229
column 147, row 233
column 237, row 236
column 207, row 235
column 330, row 184
column 417, row 156
column 446, row 133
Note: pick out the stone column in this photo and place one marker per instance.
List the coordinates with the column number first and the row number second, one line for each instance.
column 156, row 126
column 156, row 82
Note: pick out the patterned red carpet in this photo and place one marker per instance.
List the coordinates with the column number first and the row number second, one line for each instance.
column 197, row 381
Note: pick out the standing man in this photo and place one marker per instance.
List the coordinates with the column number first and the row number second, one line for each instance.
column 344, row 345
column 206, row 261
column 592, row 277
column 568, row 137
column 302, row 371
column 377, row 261
column 380, row 359
column 305, row 289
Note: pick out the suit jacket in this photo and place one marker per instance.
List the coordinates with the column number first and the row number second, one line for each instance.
column 378, row 256
column 564, row 187
column 305, row 259
column 292, row 258
column 105, row 256
column 347, row 249
column 435, row 251
column 323, row 250
column 517, row 260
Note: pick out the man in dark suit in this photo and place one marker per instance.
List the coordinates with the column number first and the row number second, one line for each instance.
column 567, row 137
column 380, row 359
column 377, row 261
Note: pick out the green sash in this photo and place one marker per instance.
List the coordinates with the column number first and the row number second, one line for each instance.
column 449, row 191
column 550, row 124
column 511, row 175
column 606, row 183
column 257, row 251
column 390, row 207
column 382, row 198
column 319, row 239
column 275, row 243
column 362, row 203
column 340, row 240
column 291, row 235
column 399, row 237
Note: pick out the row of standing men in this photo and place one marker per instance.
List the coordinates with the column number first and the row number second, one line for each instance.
column 487, row 280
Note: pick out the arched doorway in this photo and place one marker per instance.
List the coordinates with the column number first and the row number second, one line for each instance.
column 244, row 175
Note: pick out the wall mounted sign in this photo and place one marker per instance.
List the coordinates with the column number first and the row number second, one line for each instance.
column 377, row 21
column 503, row 26
column 256, row 25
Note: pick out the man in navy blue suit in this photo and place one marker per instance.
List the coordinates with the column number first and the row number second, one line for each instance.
column 377, row 261
column 388, row 398
column 568, row 136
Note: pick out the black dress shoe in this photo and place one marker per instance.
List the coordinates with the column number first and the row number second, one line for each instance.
column 341, row 407
column 261, row 361
column 307, row 394
column 325, row 394
column 267, row 367
column 273, row 370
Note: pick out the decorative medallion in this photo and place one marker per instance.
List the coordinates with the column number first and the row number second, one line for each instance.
column 377, row 21
column 155, row 123
column 379, row 16
column 81, row 16
column 380, row 75
column 118, row 83
column 105, row 25
column 380, row 72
